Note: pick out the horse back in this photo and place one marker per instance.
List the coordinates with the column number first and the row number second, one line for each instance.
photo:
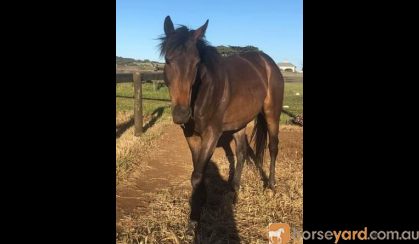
column 248, row 77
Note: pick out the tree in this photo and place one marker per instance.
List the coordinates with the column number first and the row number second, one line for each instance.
column 231, row 50
column 123, row 61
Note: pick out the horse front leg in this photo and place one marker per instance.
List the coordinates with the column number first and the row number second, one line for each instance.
column 208, row 143
column 198, row 195
column 194, row 143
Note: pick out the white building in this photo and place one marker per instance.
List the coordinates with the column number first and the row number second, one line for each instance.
column 287, row 66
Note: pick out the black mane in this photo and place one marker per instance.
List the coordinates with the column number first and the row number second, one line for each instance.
column 177, row 40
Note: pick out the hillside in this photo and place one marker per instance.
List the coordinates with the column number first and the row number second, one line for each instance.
column 134, row 65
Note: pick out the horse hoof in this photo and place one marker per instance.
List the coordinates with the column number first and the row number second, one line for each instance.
column 270, row 192
column 271, row 185
column 192, row 226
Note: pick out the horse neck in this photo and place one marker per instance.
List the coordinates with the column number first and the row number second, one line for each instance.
column 211, row 87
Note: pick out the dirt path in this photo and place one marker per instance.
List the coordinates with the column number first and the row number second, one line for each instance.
column 168, row 165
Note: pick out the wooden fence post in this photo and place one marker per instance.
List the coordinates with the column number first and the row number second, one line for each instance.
column 155, row 85
column 138, row 104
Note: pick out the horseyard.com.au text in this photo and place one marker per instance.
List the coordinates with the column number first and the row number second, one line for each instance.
column 360, row 235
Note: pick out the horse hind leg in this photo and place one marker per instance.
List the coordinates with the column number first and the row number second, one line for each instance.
column 272, row 111
column 273, row 132
column 241, row 154
column 272, row 108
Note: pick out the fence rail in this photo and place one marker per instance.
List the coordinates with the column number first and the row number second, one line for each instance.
column 152, row 75
column 124, row 77
column 138, row 78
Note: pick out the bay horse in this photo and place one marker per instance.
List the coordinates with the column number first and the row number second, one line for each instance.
column 211, row 95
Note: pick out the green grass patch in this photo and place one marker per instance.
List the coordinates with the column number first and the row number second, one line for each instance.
column 125, row 98
column 292, row 100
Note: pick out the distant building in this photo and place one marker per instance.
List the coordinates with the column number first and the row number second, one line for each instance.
column 287, row 66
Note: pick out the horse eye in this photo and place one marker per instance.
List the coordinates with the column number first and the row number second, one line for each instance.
column 167, row 61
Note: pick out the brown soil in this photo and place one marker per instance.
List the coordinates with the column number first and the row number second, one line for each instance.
column 169, row 165
column 166, row 166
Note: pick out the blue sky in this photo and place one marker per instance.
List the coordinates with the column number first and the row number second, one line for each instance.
column 274, row 26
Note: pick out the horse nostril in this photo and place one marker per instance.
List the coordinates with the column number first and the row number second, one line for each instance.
column 182, row 111
column 181, row 114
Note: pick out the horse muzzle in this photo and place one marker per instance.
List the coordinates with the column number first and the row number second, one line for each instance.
column 181, row 114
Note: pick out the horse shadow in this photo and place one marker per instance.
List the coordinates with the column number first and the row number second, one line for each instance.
column 215, row 209
column 213, row 202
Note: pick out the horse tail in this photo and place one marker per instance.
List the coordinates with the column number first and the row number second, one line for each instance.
column 260, row 136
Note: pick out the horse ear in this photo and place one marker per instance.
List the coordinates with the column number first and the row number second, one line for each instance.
column 200, row 32
column 168, row 26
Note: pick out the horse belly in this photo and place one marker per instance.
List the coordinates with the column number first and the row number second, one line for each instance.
column 243, row 107
column 248, row 89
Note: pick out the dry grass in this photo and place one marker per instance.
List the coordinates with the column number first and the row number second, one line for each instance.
column 130, row 149
column 167, row 216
